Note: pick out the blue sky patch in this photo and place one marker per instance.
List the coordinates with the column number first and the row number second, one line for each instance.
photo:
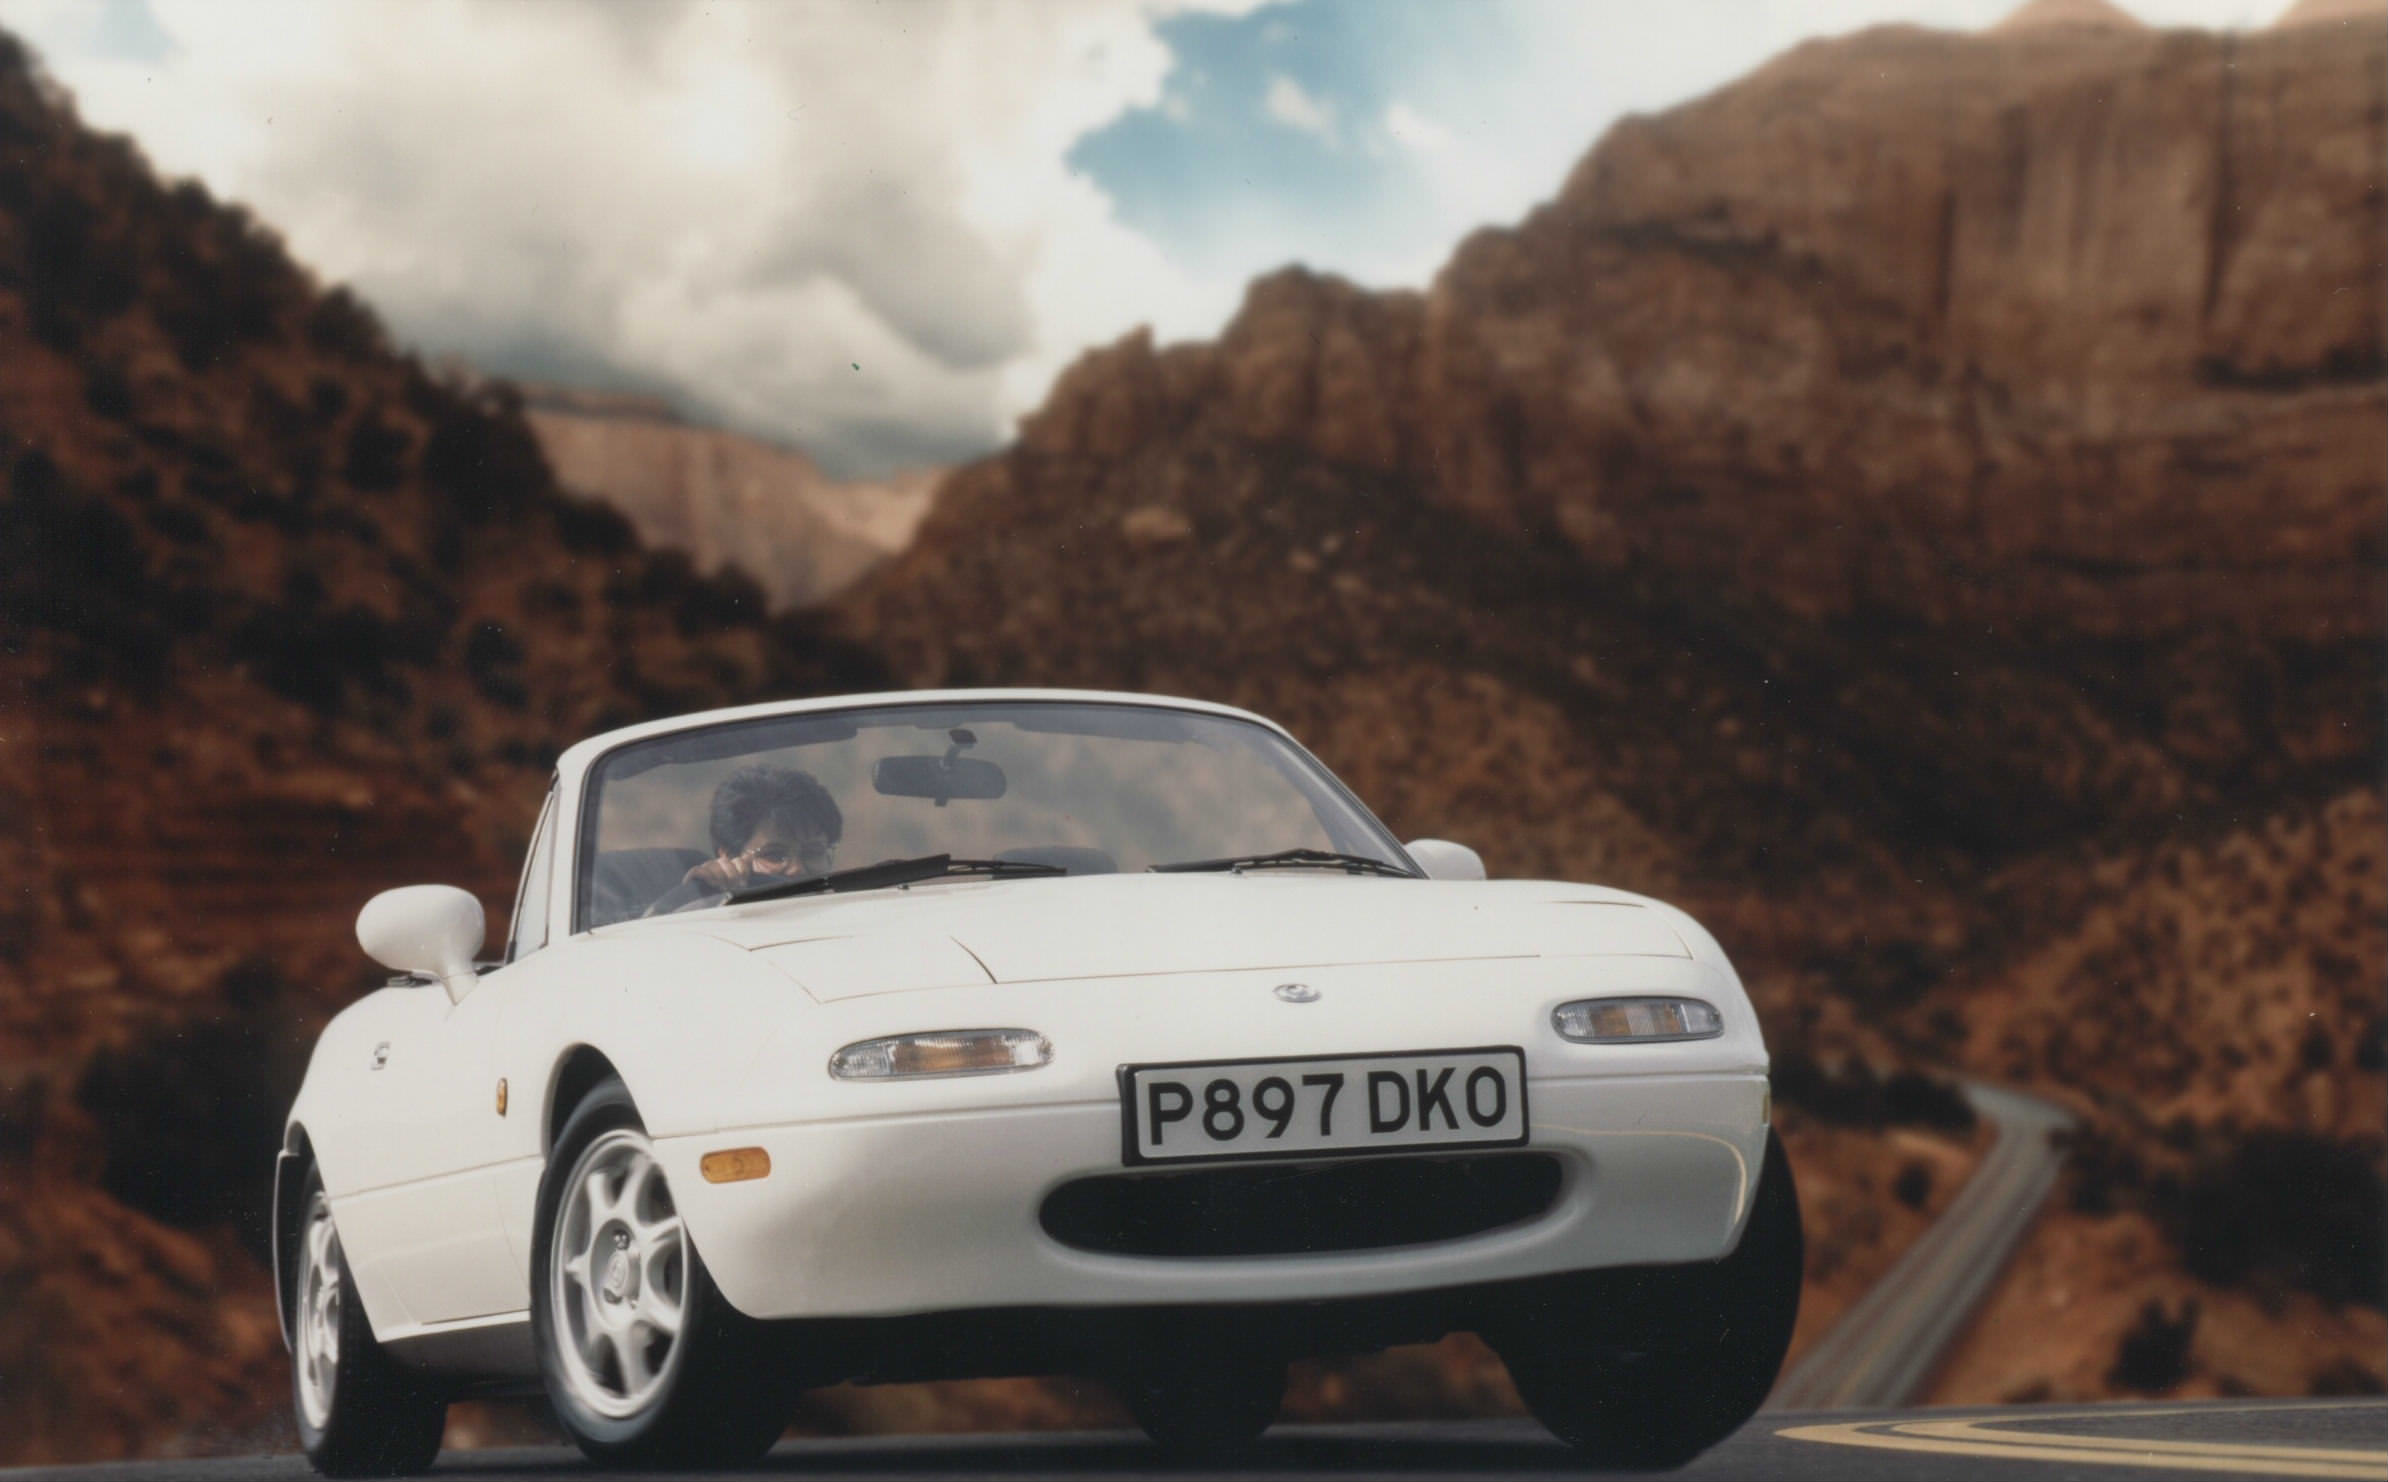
column 1272, row 128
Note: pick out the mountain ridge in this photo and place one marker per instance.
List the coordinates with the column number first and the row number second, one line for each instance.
column 1951, row 311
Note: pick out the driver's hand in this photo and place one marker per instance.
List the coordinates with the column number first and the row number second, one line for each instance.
column 721, row 874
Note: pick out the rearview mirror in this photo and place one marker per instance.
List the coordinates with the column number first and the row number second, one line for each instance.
column 941, row 777
column 1444, row 860
column 432, row 929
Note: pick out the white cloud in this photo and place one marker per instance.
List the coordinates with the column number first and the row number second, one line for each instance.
column 1414, row 129
column 1296, row 109
column 736, row 202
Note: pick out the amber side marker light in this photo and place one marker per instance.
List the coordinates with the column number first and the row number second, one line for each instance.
column 734, row 1165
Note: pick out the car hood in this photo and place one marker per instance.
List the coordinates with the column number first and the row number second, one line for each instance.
column 961, row 933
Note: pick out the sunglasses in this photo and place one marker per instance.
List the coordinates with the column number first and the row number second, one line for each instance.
column 812, row 856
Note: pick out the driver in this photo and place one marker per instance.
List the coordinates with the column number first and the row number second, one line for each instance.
column 769, row 824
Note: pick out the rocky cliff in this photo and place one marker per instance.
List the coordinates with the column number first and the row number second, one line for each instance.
column 1920, row 506
column 1982, row 330
column 727, row 500
column 283, row 620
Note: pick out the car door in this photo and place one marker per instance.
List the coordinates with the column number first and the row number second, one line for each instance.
column 437, row 1130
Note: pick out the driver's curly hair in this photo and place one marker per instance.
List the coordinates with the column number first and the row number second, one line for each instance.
column 752, row 796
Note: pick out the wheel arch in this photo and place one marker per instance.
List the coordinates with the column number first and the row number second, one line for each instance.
column 291, row 1166
column 578, row 1071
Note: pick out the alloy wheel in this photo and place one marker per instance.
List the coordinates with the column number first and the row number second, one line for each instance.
column 618, row 1274
column 319, row 1303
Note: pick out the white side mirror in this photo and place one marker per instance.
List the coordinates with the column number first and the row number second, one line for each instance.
column 1444, row 860
column 432, row 929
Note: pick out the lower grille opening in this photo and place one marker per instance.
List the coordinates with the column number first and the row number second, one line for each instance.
column 1293, row 1209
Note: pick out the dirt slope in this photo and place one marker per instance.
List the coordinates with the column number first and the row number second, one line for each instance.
column 283, row 620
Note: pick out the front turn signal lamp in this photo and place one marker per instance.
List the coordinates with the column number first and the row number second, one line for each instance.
column 735, row 1165
column 1636, row 1021
column 942, row 1052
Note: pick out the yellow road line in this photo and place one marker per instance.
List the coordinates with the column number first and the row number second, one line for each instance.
column 1973, row 1437
column 1970, row 1430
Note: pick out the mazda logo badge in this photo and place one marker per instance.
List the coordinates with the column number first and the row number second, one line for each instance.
column 1296, row 992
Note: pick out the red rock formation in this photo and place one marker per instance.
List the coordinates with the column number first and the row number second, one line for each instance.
column 2012, row 329
column 728, row 500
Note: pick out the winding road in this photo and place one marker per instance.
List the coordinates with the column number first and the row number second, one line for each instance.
column 1883, row 1351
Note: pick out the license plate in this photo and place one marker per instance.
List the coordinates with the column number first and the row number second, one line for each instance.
column 1322, row 1107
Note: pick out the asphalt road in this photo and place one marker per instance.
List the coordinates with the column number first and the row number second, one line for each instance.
column 1884, row 1349
column 2115, row 1443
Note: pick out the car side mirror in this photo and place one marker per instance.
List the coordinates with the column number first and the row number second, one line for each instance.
column 436, row 930
column 1444, row 860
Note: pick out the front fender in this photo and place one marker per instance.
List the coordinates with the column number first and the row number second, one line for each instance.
column 1704, row 949
column 682, row 1019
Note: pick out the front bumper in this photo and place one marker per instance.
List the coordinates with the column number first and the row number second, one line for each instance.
column 933, row 1211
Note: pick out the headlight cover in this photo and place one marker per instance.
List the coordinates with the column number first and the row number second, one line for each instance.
column 1636, row 1021
column 942, row 1052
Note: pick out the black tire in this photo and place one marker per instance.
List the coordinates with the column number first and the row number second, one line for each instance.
column 1203, row 1400
column 359, row 1413
column 718, row 1398
column 1713, row 1340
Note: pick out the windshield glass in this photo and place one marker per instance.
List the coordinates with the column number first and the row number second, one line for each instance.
column 682, row 821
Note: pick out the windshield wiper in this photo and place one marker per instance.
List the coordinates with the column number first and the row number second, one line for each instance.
column 1313, row 859
column 889, row 872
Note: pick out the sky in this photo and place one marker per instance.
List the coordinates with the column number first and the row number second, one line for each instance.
column 876, row 231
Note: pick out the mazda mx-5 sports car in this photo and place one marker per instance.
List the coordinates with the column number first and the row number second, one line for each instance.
column 940, row 1035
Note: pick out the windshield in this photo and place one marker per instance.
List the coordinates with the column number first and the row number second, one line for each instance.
column 686, row 820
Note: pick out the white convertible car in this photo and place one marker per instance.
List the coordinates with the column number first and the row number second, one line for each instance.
column 938, row 1035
